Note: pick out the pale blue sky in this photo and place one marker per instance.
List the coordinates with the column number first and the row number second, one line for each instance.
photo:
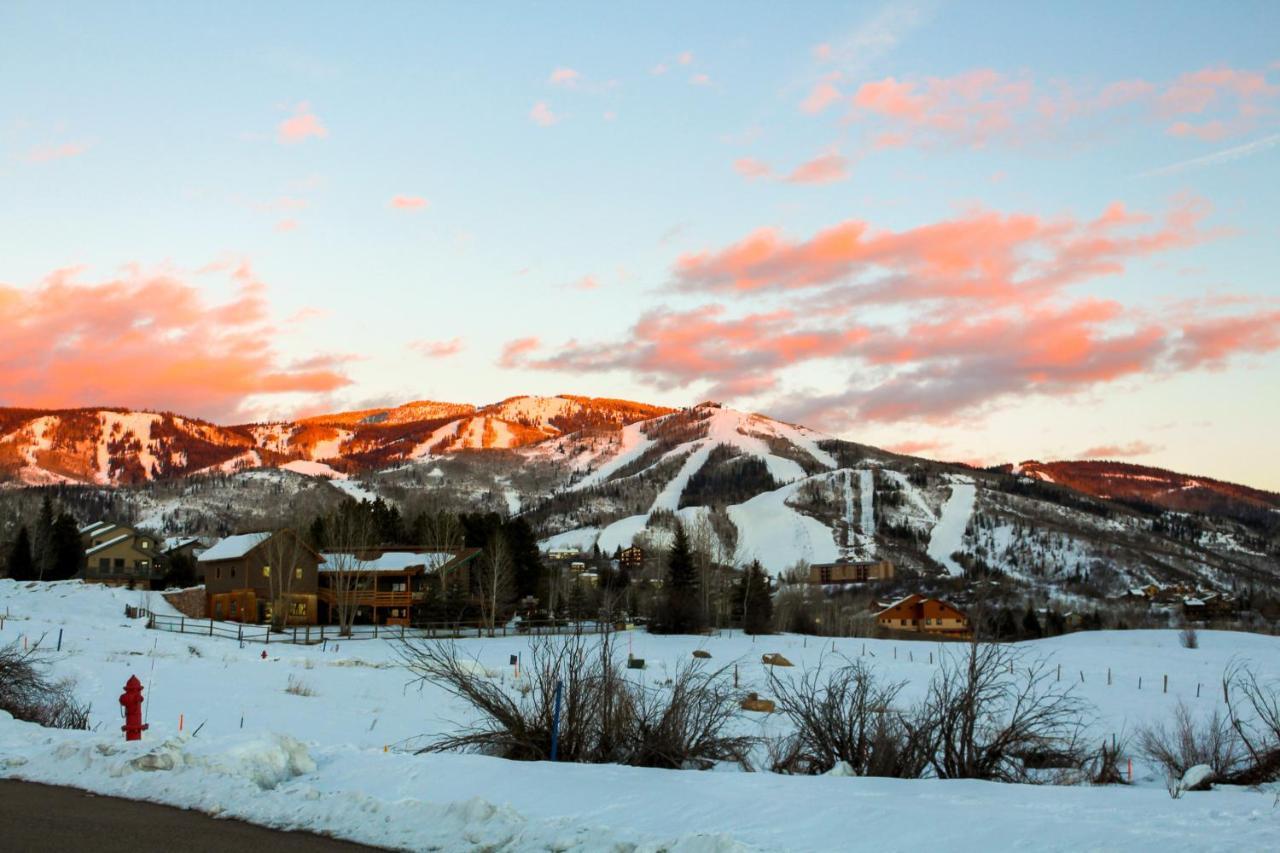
column 148, row 134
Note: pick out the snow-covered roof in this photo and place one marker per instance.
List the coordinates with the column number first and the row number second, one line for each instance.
column 902, row 600
column 94, row 526
column 234, row 546
column 390, row 561
column 95, row 549
column 1193, row 602
column 100, row 528
column 172, row 542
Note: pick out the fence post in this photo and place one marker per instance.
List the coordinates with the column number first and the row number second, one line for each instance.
column 1166, row 683
column 1108, row 676
column 240, row 633
column 1059, row 678
column 210, row 626
column 375, row 629
column 182, row 625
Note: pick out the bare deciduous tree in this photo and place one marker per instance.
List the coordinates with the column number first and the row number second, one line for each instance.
column 283, row 551
column 346, row 565
column 495, row 579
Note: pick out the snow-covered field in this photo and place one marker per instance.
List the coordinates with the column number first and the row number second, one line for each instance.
column 337, row 761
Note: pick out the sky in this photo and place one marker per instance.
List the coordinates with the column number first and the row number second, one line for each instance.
column 982, row 232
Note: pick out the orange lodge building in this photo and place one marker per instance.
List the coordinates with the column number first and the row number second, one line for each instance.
column 924, row 615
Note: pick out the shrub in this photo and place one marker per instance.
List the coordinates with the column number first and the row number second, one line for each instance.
column 603, row 718
column 1185, row 742
column 27, row 693
column 1253, row 709
column 847, row 717
column 1189, row 638
column 298, row 687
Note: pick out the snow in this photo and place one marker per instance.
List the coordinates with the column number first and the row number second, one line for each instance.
column 632, row 445
column 356, row 490
column 313, row 469
column 579, row 540
column 775, row 534
column 948, row 533
column 866, row 495
column 397, row 561
column 341, row 761
column 234, row 546
column 107, row 544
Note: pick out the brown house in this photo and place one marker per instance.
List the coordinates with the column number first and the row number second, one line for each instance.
column 859, row 571
column 238, row 574
column 390, row 586
column 118, row 555
column 926, row 615
column 632, row 558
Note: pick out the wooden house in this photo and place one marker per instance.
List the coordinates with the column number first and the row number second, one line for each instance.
column 118, row 555
column 238, row 577
column 924, row 615
column 390, row 586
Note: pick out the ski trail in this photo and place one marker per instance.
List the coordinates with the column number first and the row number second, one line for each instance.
column 867, row 491
column 948, row 534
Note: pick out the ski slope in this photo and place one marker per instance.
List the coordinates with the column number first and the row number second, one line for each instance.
column 948, row 534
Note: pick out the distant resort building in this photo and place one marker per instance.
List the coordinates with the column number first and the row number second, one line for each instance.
column 858, row 571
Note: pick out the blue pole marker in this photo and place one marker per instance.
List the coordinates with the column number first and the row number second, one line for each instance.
column 555, row 721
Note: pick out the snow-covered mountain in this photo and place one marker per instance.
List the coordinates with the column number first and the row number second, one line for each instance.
column 591, row 472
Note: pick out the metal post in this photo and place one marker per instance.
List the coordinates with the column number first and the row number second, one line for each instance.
column 59, row 639
column 555, row 721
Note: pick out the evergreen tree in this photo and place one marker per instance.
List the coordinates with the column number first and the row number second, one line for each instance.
column 42, row 547
column 757, row 601
column 681, row 611
column 180, row 570
column 317, row 535
column 19, row 565
column 1031, row 624
column 66, row 552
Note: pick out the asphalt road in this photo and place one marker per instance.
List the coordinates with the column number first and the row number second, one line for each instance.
column 44, row 819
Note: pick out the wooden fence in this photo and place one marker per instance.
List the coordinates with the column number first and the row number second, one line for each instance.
column 316, row 634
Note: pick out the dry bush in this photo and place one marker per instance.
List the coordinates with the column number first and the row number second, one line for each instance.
column 989, row 714
column 298, row 687
column 1186, row 742
column 1189, row 638
column 1253, row 709
column 685, row 723
column 847, row 717
column 1103, row 766
column 27, row 693
column 603, row 718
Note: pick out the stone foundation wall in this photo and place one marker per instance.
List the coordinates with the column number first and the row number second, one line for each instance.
column 191, row 602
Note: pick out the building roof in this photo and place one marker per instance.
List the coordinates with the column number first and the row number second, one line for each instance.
column 391, row 561
column 95, row 549
column 902, row 600
column 90, row 527
column 171, row 543
column 233, row 547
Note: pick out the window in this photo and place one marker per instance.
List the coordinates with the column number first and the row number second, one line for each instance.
column 104, row 564
column 233, row 571
column 298, row 608
column 119, row 562
column 297, row 573
column 266, row 571
column 217, row 573
column 145, row 544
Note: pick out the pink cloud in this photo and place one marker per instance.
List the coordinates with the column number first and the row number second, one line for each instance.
column 587, row 282
column 981, row 107
column 1211, row 341
column 62, row 151
column 437, row 349
column 685, row 58
column 1119, row 451
column 700, row 80
column 751, row 168
column 740, row 356
column 409, row 202
column 542, row 115
column 824, row 94
column 981, row 255
column 287, row 225
column 913, row 448
column 564, row 77
column 822, row 52
column 514, row 351
column 826, row 169
column 146, row 340
column 300, row 126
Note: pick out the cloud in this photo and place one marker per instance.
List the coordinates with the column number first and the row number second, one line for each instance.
column 751, row 168
column 980, row 255
column 700, row 79
column 913, row 448
column 587, row 282
column 514, row 351
column 300, row 126
column 146, row 339
column 287, row 225
column 61, row 151
column 825, row 169
column 1119, row 451
column 984, row 107
column 671, row 349
column 541, row 114
column 437, row 349
column 1210, row 342
column 823, row 95
column 409, row 202
column 564, row 77
column 685, row 58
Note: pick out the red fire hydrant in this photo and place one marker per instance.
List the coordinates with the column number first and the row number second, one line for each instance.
column 131, row 701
